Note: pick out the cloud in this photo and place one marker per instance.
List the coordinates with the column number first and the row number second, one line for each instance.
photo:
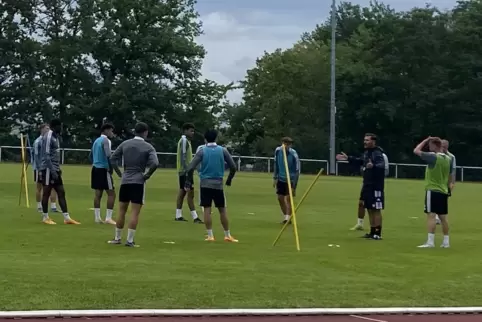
column 233, row 42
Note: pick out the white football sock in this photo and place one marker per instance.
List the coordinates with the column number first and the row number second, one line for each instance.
column 446, row 240
column 130, row 235
column 108, row 214
column 97, row 214
column 287, row 217
column 431, row 239
column 66, row 216
column 53, row 205
column 45, row 216
column 437, row 217
column 210, row 233
column 227, row 233
column 118, row 234
column 39, row 205
column 360, row 221
column 194, row 214
column 178, row 213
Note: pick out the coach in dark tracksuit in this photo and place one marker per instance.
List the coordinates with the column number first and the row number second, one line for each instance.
column 372, row 193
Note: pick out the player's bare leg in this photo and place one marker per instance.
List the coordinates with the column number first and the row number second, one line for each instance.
column 445, row 229
column 192, row 207
column 208, row 223
column 120, row 222
column 63, row 205
column 361, row 216
column 431, row 225
column 131, row 231
column 376, row 223
column 46, row 190
column 97, row 201
column 223, row 215
column 53, row 200
column 38, row 196
column 284, row 208
column 110, row 207
column 180, row 200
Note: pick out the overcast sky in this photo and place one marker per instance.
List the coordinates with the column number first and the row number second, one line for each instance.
column 236, row 32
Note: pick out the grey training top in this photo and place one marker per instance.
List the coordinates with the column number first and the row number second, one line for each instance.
column 50, row 152
column 211, row 183
column 37, row 154
column 138, row 155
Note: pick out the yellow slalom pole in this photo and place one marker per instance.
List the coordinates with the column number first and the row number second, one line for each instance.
column 24, row 171
column 292, row 202
column 299, row 204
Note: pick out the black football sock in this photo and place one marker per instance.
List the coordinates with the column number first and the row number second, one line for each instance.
column 372, row 231
column 378, row 230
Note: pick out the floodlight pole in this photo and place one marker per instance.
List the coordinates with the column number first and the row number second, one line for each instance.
column 332, row 94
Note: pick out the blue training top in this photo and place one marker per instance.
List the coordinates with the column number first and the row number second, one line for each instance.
column 293, row 165
column 101, row 152
column 212, row 164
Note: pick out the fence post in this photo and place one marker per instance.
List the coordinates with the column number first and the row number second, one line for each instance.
column 62, row 156
column 239, row 163
column 269, row 165
column 336, row 168
column 396, row 170
column 462, row 174
column 0, row 154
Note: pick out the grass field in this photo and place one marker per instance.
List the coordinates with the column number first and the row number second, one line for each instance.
column 72, row 267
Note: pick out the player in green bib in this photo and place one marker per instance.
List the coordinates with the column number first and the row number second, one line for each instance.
column 184, row 157
column 438, row 176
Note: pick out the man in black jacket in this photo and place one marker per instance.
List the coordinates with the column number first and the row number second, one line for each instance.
column 372, row 194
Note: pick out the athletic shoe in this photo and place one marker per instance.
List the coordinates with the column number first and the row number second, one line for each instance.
column 49, row 221
column 71, row 222
column 445, row 245
column 131, row 244
column 356, row 227
column 426, row 245
column 198, row 221
column 115, row 242
column 210, row 239
column 110, row 222
column 231, row 239
column 376, row 237
column 180, row 219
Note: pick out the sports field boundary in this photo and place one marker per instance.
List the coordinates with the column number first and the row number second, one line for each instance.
column 239, row 312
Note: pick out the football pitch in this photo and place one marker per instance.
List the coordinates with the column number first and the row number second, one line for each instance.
column 72, row 267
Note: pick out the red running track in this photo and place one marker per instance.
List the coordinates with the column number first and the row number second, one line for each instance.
column 323, row 318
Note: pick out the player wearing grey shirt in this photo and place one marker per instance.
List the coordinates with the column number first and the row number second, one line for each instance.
column 138, row 156
column 52, row 175
column 211, row 159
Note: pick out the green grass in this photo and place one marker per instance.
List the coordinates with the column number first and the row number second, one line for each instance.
column 72, row 267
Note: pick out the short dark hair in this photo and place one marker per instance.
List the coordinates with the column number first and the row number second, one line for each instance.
column 211, row 136
column 140, row 128
column 55, row 123
column 372, row 136
column 187, row 126
column 106, row 126
column 286, row 140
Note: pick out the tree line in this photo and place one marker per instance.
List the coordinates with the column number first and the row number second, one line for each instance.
column 403, row 75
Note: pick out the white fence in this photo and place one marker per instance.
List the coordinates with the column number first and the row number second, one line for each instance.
column 259, row 164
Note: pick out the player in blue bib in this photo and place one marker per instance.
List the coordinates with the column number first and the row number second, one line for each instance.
column 101, row 174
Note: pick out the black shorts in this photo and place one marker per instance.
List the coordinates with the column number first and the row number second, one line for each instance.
column 372, row 199
column 282, row 188
column 36, row 176
column 101, row 179
column 182, row 183
column 208, row 196
column 436, row 202
column 132, row 192
column 46, row 178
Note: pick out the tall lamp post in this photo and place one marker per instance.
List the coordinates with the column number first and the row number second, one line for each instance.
column 332, row 94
